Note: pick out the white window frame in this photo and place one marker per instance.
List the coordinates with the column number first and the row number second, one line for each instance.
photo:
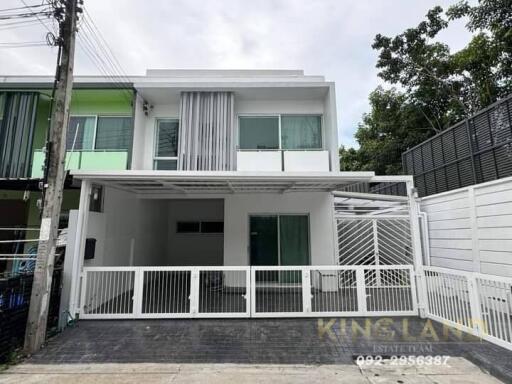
column 155, row 141
column 279, row 117
column 96, row 117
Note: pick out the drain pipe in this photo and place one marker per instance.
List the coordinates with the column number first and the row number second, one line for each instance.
column 424, row 237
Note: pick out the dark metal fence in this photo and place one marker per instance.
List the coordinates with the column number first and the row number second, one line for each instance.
column 15, row 293
column 476, row 150
column 383, row 188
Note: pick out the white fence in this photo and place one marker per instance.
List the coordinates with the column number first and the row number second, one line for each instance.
column 470, row 228
column 473, row 302
column 277, row 291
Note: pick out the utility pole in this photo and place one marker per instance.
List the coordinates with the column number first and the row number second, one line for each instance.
column 53, row 187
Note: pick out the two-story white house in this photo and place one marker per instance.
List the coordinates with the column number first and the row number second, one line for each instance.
column 227, row 169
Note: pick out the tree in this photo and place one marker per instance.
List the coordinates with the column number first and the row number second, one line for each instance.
column 438, row 88
column 392, row 125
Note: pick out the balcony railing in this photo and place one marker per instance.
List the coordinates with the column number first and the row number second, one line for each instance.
column 283, row 160
column 97, row 160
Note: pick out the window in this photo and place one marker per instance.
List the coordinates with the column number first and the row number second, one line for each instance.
column 259, row 132
column 114, row 132
column 292, row 132
column 279, row 239
column 80, row 135
column 187, row 227
column 212, row 227
column 199, row 227
column 166, row 144
column 301, row 132
column 90, row 133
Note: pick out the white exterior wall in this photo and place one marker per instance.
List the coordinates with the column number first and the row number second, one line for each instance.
column 139, row 132
column 471, row 228
column 194, row 248
column 142, row 232
column 129, row 231
column 144, row 130
column 169, row 111
column 238, row 208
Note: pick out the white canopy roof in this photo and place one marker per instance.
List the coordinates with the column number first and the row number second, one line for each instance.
column 197, row 182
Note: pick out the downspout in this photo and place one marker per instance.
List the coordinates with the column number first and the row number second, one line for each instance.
column 425, row 238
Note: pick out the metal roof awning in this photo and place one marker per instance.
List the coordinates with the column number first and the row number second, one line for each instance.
column 215, row 182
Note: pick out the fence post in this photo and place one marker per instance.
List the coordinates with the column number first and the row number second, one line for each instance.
column 253, row 291
column 83, row 291
column 138, row 288
column 477, row 320
column 248, row 291
column 414, row 215
column 306, row 290
column 361, row 290
column 194, row 291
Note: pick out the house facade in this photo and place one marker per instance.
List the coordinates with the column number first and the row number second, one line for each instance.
column 198, row 169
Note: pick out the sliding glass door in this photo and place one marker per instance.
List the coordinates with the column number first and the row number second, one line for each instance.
column 279, row 240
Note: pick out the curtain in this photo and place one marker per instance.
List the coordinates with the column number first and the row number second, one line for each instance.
column 207, row 138
column 85, row 135
column 17, row 127
column 301, row 132
column 294, row 239
column 114, row 133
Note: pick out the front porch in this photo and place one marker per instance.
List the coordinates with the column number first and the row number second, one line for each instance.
column 231, row 244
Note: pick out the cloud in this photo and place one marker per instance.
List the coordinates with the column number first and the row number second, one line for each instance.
column 326, row 37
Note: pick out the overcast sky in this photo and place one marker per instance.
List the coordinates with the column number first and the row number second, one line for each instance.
column 324, row 37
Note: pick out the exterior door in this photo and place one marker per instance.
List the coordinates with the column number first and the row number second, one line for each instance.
column 264, row 248
column 279, row 240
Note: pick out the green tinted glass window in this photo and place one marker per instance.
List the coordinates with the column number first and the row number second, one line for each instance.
column 259, row 132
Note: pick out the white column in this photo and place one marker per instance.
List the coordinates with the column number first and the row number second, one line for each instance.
column 79, row 249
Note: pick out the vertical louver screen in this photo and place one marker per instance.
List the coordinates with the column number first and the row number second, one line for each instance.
column 17, row 124
column 207, row 134
column 473, row 151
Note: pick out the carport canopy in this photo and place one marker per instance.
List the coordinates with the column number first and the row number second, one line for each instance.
column 216, row 182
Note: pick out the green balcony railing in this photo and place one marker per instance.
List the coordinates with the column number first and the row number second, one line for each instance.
column 104, row 160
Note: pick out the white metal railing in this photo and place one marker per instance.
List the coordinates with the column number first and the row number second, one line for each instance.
column 164, row 292
column 263, row 291
column 473, row 302
column 282, row 291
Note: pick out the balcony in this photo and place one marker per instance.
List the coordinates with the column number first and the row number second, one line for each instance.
column 283, row 160
column 98, row 160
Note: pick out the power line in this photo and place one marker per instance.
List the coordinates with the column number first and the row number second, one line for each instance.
column 24, row 15
column 38, row 18
column 23, row 44
column 119, row 66
column 23, row 8
column 21, row 24
column 99, row 52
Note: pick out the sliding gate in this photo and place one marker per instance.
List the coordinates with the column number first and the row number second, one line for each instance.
column 295, row 291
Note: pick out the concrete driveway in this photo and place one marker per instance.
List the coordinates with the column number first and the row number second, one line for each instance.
column 249, row 349
column 457, row 370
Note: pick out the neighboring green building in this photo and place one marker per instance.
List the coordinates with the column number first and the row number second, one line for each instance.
column 99, row 137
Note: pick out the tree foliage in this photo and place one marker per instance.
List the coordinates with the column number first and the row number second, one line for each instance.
column 437, row 88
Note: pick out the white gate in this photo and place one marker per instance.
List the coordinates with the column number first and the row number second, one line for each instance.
column 164, row 292
column 278, row 291
column 374, row 240
column 473, row 302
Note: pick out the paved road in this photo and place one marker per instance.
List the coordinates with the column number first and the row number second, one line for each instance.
column 456, row 371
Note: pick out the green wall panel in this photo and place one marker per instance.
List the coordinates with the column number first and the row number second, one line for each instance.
column 88, row 161
column 101, row 101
